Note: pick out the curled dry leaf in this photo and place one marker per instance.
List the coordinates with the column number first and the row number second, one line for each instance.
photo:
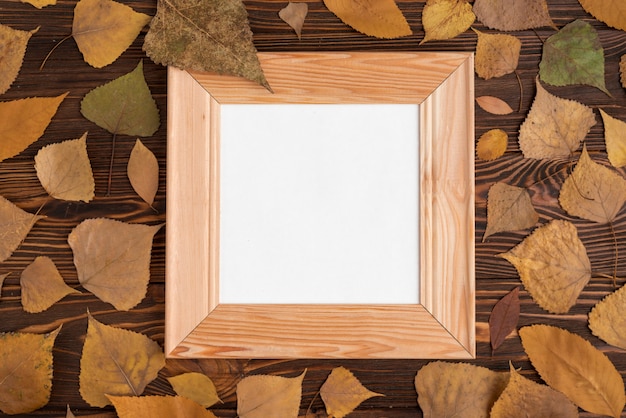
column 42, row 285
column 25, row 371
column 494, row 105
column 446, row 19
column 571, row 365
column 294, row 14
column 342, row 393
column 607, row 320
column 492, row 144
column 115, row 361
column 611, row 12
column 143, row 172
column 553, row 265
column 265, row 396
column 444, row 389
column 195, row 386
column 509, row 208
column 379, row 18
column 496, row 54
column 158, row 406
column 512, row 15
column 554, row 127
column 503, row 318
column 615, row 139
column 13, row 44
column 15, row 225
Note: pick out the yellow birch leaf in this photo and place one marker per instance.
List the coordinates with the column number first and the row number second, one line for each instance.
column 593, row 191
column 40, row 4
column 265, row 396
column 158, row 407
column 23, row 121
column 15, row 225
column 64, row 170
column 42, row 285
column 294, row 14
column 143, row 172
column 615, row 139
column 611, row 12
column 622, row 70
column 554, row 127
column 444, row 389
column 524, row 398
column 607, row 320
column 509, row 208
column 69, row 413
column 512, row 15
column 25, row 371
column 553, row 265
column 496, row 54
column 342, row 393
column 115, row 361
column 446, row 19
column 13, row 44
column 104, row 29
column 492, row 144
column 574, row 367
column 494, row 105
column 195, row 386
column 2, row 277
column 379, row 18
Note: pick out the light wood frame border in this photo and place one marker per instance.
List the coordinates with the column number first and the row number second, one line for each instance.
column 442, row 325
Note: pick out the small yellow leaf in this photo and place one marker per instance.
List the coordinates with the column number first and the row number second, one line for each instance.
column 265, row 396
column 294, row 14
column 446, row 19
column 615, row 139
column 379, row 18
column 509, row 208
column 496, row 54
column 15, row 224
column 611, row 12
column 342, row 393
column 143, row 172
column 40, row 4
column 158, row 406
column 494, row 105
column 13, row 44
column 116, row 361
column 195, row 386
column 42, row 285
column 492, row 144
column 607, row 320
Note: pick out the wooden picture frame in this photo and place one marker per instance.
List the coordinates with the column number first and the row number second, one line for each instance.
column 442, row 325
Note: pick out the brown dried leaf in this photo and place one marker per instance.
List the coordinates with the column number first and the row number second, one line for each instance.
column 342, row 393
column 492, row 144
column 509, row 208
column 494, row 105
column 496, row 54
column 553, row 265
column 158, row 407
column 13, row 44
column 116, row 362
column 2, row 277
column 611, row 12
column 446, row 19
column 113, row 259
column 615, row 139
column 265, row 396
column 571, row 365
column 554, row 127
column 294, row 14
column 143, row 172
column 607, row 320
column 503, row 318
column 195, row 386
column 444, row 389
column 622, row 70
column 15, row 225
column 512, row 15
column 42, row 285
column 379, row 18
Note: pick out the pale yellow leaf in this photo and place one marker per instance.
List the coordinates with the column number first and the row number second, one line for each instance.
column 571, row 365
column 611, row 12
column 607, row 320
column 294, row 14
column 265, row 396
column 492, row 144
column 64, row 170
column 143, row 172
column 40, row 4
column 42, row 285
column 509, row 208
column 342, row 393
column 379, row 18
column 511, row 15
column 195, row 386
column 158, row 406
column 13, row 44
column 444, row 389
column 2, row 277
column 553, row 265
column 115, row 361
column 615, row 139
column 15, row 225
column 494, row 105
column 446, row 19
column 496, row 54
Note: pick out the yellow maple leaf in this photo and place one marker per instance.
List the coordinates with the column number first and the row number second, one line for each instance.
column 492, row 144
column 195, row 386
column 143, row 172
column 15, row 224
column 607, row 320
column 42, row 285
column 446, row 19
column 379, row 18
column 509, row 208
column 13, row 44
column 615, row 139
column 158, row 407
column 496, row 54
column 611, row 12
column 265, row 396
column 342, row 393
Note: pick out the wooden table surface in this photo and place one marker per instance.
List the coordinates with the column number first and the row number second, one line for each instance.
column 66, row 71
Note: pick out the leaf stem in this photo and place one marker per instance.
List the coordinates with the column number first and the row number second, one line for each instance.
column 521, row 90
column 110, row 178
column 616, row 254
column 52, row 50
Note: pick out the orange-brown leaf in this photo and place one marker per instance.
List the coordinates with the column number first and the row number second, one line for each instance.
column 195, row 386
column 512, row 15
column 611, row 12
column 15, row 225
column 496, row 54
column 615, row 139
column 13, row 44
column 379, row 18
column 492, row 144
column 494, row 105
column 446, row 19
column 342, row 393
column 607, row 320
column 42, row 285
column 143, row 172
column 503, row 318
column 294, row 14
column 158, row 407
column 509, row 208
column 265, row 396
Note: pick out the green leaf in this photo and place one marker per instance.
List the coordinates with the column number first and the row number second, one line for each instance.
column 574, row 55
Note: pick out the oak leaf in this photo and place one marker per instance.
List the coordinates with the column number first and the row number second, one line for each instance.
column 509, row 208
column 622, row 70
column 574, row 367
column 342, row 393
column 23, row 121
column 573, row 55
column 204, row 36
column 379, row 18
column 42, row 285
column 615, row 139
column 64, row 170
column 554, row 127
column 143, row 172
column 116, row 361
column 496, row 54
column 553, row 265
column 13, row 44
column 2, row 277
column 607, row 320
column 294, row 14
column 494, row 105
column 113, row 259
column 40, row 4
column 446, row 19
column 524, row 398
column 195, row 386
column 15, row 224
column 158, row 406
column 611, row 12
column 264, row 396
column 25, row 371
column 503, row 318
column 492, row 144
column 444, row 389
column 513, row 15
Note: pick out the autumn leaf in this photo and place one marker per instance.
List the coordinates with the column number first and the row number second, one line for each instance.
column 69, row 413
column 379, row 18
column 444, row 389
column 294, row 14
column 25, row 371
column 573, row 55
column 611, row 12
column 64, row 170
column 15, row 224
column 496, row 54
column 264, row 396
column 204, row 36
column 40, row 4
column 607, row 320
column 571, row 365
column 115, row 361
column 2, row 277
column 494, row 105
column 622, row 70
column 342, row 393
column 42, row 285
column 503, row 318
column 513, row 15
column 113, row 259
column 23, row 121
column 13, row 44
column 143, row 172
column 509, row 208
column 195, row 386
column 553, row 265
column 524, row 398
column 492, row 144
column 158, row 406
column 554, row 127
column 615, row 139
column 446, row 19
